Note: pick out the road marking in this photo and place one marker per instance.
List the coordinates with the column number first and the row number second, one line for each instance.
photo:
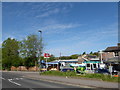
column 2, row 78
column 21, row 78
column 10, row 80
column 18, row 79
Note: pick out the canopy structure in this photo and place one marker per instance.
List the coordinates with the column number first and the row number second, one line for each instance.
column 91, row 62
column 52, row 63
column 75, row 65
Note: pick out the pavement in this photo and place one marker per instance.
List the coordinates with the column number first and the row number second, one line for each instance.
column 87, row 83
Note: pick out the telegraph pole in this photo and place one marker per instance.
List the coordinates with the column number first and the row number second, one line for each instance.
column 40, row 52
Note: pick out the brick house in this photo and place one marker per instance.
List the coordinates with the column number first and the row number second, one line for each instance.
column 111, row 56
column 111, row 53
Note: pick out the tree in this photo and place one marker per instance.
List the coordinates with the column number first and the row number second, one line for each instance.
column 96, row 53
column 52, row 58
column 75, row 56
column 91, row 53
column 84, row 53
column 31, row 48
column 10, row 53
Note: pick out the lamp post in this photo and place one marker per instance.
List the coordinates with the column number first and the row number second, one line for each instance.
column 101, row 56
column 40, row 48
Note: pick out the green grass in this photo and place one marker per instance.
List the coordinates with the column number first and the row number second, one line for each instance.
column 88, row 76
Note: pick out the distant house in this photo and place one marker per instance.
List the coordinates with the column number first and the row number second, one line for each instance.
column 111, row 54
column 91, row 62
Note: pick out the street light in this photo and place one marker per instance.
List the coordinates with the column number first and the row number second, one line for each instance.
column 101, row 56
column 39, row 55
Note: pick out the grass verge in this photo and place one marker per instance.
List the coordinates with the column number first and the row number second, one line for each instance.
column 89, row 76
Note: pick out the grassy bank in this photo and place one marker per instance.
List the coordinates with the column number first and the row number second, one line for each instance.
column 90, row 76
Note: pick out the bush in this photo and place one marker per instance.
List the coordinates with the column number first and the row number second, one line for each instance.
column 58, row 73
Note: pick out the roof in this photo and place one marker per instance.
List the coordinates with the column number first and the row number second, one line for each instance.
column 92, row 56
column 71, row 60
column 112, row 49
column 67, row 61
column 94, row 59
column 52, row 62
column 91, row 62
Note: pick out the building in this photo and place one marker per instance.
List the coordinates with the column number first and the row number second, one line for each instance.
column 91, row 62
column 59, row 64
column 111, row 56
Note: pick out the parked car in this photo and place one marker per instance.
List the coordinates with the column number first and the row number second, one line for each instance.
column 115, row 72
column 67, row 69
column 102, row 71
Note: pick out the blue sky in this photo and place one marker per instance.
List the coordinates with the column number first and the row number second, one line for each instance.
column 69, row 28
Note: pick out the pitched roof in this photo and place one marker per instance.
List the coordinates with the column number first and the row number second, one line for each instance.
column 112, row 49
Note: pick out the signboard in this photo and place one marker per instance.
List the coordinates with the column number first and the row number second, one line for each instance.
column 46, row 55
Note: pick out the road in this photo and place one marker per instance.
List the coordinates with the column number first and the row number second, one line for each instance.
column 13, row 81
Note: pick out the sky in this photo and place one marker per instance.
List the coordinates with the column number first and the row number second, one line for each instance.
column 67, row 28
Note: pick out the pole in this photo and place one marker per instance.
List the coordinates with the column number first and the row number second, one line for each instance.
column 60, row 56
column 101, row 56
column 46, row 64
column 40, row 50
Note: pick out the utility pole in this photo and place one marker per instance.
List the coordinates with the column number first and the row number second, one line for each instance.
column 60, row 56
column 40, row 50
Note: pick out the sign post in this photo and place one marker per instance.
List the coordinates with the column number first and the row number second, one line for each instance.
column 46, row 55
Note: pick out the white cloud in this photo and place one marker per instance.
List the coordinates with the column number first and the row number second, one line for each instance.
column 48, row 13
column 57, row 28
column 86, row 41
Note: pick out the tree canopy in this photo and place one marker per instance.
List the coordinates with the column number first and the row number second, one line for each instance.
column 10, row 53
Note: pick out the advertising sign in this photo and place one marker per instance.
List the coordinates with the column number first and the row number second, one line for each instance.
column 46, row 55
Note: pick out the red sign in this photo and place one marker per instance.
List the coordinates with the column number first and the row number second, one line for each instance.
column 46, row 55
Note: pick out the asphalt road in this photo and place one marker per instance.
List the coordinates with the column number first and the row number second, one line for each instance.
column 15, row 81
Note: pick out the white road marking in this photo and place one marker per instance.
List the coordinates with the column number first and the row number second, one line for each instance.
column 17, row 79
column 21, row 78
column 2, row 78
column 10, row 80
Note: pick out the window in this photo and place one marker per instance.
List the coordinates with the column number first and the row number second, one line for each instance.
column 94, row 65
column 88, row 65
column 116, row 54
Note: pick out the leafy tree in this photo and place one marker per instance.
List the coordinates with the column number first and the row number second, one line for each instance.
column 91, row 53
column 96, row 53
column 52, row 58
column 29, row 61
column 64, row 57
column 10, row 53
column 84, row 53
column 75, row 56
column 31, row 49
